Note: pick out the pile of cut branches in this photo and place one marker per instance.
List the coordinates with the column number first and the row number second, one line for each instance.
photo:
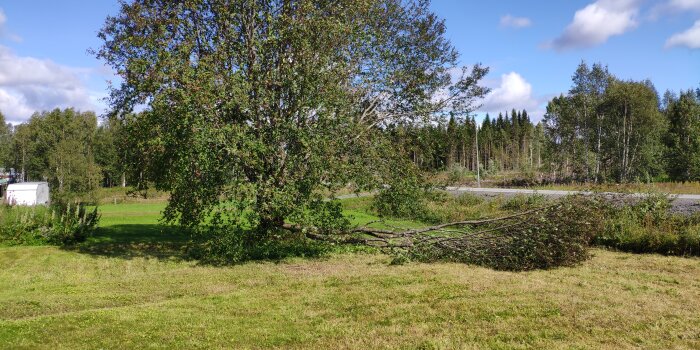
column 555, row 235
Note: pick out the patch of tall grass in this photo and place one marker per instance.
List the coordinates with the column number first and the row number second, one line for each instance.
column 57, row 225
column 649, row 227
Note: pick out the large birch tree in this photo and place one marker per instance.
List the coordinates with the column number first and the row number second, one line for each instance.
column 253, row 107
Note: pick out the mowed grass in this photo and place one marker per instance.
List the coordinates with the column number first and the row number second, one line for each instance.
column 134, row 289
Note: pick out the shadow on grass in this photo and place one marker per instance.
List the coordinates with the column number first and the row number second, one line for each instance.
column 137, row 241
column 174, row 243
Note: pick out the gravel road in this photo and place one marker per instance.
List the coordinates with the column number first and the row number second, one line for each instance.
column 682, row 203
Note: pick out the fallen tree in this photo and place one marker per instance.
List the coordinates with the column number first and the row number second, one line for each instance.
column 555, row 235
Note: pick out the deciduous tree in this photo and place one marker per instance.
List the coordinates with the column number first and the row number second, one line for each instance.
column 255, row 106
column 684, row 137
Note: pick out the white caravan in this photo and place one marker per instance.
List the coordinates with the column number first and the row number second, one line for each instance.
column 27, row 193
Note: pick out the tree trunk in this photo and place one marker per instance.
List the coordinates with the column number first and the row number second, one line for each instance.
column 598, row 156
column 623, row 176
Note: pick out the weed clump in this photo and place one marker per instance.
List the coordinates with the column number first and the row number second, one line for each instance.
column 57, row 225
column 524, row 202
column 649, row 227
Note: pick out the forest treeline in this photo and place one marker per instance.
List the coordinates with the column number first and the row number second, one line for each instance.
column 603, row 130
column 67, row 148
column 509, row 142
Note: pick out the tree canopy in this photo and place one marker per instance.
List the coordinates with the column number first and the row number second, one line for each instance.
column 58, row 147
column 683, row 139
column 5, row 142
column 256, row 106
column 605, row 129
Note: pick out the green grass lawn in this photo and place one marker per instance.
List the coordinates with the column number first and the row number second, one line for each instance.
column 130, row 287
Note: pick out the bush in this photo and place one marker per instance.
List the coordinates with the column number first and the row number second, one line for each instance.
column 648, row 227
column 557, row 236
column 459, row 175
column 41, row 225
column 441, row 207
column 524, row 202
column 468, row 199
column 403, row 198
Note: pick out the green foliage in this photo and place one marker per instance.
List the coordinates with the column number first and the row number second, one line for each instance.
column 58, row 147
column 403, row 197
column 524, row 202
column 649, row 227
column 324, row 216
column 683, row 139
column 110, row 148
column 5, row 143
column 557, row 236
column 459, row 175
column 42, row 225
column 257, row 106
column 469, row 199
column 442, row 207
column 233, row 245
column 509, row 143
column 605, row 129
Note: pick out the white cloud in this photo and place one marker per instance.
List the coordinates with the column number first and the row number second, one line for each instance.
column 684, row 5
column 509, row 21
column 513, row 92
column 690, row 38
column 597, row 22
column 28, row 85
column 673, row 7
column 13, row 105
column 680, row 5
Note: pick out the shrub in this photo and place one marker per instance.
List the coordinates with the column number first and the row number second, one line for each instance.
column 648, row 227
column 41, row 225
column 404, row 198
column 468, row 199
column 458, row 174
column 524, row 202
column 442, row 207
column 556, row 236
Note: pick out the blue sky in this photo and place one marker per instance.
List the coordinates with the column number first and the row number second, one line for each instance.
column 532, row 47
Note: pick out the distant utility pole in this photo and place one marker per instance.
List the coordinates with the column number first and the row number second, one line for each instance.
column 478, row 171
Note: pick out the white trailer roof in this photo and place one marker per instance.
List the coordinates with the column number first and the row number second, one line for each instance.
column 25, row 186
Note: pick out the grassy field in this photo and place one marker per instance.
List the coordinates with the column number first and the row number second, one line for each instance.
column 131, row 287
